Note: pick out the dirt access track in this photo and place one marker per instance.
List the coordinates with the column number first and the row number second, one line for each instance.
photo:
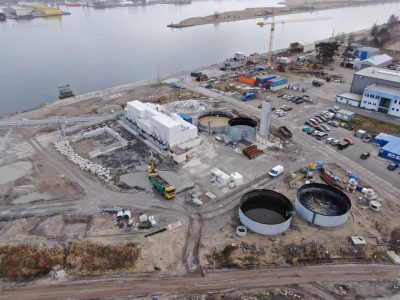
column 292, row 6
column 215, row 281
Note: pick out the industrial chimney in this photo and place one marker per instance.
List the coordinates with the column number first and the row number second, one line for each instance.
column 265, row 118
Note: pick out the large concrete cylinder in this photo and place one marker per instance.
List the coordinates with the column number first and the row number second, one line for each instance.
column 265, row 118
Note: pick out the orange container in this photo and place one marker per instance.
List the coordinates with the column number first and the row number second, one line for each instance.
column 247, row 80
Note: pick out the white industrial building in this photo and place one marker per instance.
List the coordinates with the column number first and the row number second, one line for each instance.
column 378, row 61
column 168, row 129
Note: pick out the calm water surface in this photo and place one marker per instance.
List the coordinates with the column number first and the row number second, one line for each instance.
column 95, row 49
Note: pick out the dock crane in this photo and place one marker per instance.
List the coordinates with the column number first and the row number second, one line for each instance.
column 272, row 29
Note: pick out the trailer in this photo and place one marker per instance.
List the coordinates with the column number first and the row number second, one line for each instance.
column 249, row 96
column 163, row 187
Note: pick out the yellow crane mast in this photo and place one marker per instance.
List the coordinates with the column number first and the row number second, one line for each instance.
column 272, row 29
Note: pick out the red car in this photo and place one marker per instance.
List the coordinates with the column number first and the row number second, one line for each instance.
column 349, row 141
column 315, row 123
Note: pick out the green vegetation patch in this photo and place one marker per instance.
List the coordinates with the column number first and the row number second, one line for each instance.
column 374, row 126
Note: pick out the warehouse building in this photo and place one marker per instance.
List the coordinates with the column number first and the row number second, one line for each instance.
column 378, row 61
column 372, row 75
column 382, row 99
column 168, row 129
column 390, row 146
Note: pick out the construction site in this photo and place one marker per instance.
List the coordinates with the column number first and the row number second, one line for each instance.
column 199, row 173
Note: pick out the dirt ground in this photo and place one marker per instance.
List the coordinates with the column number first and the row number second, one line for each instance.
column 222, row 248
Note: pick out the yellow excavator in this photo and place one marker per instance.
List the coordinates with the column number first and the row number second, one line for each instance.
column 160, row 184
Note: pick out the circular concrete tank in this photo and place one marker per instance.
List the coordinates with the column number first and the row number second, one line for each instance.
column 214, row 121
column 322, row 205
column 265, row 212
column 242, row 128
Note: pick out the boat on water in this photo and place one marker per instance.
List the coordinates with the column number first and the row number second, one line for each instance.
column 72, row 4
column 2, row 15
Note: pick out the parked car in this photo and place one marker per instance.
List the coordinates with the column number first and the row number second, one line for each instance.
column 333, row 123
column 306, row 128
column 286, row 107
column 393, row 166
column 316, row 132
column 299, row 101
column 343, row 145
column 318, row 119
column 332, row 110
column 365, row 155
column 321, row 135
column 329, row 140
column 322, row 117
column 348, row 141
column 367, row 138
column 319, row 128
column 276, row 171
column 280, row 95
column 335, row 142
column 325, row 127
column 312, row 121
column 311, row 131
column 308, row 123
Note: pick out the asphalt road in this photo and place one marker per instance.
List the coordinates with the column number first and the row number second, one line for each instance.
column 214, row 281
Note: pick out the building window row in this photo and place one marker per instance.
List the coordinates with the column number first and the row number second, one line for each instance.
column 371, row 96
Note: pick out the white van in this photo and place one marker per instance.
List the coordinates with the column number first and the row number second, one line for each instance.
column 276, row 171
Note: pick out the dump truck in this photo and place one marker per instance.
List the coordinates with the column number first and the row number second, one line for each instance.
column 163, row 187
column 159, row 183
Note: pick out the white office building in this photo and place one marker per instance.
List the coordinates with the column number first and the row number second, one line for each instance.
column 382, row 99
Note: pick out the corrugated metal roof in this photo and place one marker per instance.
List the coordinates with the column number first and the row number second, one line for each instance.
column 383, row 89
column 368, row 49
column 393, row 144
column 378, row 59
column 351, row 96
column 380, row 73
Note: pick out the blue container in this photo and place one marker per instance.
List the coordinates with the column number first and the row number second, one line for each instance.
column 278, row 81
column 359, row 188
column 264, row 78
column 362, row 55
column 186, row 117
column 249, row 96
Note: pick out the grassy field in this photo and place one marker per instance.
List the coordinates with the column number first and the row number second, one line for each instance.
column 374, row 126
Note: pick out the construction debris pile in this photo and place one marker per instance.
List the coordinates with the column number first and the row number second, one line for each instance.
column 63, row 146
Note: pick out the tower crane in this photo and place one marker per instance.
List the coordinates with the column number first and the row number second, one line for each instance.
column 272, row 29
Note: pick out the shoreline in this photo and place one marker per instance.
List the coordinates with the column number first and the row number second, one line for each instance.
column 292, row 7
column 106, row 92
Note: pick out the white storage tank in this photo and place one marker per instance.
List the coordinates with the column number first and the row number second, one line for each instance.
column 265, row 212
column 322, row 205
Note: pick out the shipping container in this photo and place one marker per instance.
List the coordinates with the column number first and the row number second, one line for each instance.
column 247, row 80
column 278, row 81
column 249, row 96
column 264, row 78
column 186, row 117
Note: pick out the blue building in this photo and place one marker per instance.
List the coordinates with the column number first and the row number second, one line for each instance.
column 366, row 52
column 390, row 146
column 382, row 99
